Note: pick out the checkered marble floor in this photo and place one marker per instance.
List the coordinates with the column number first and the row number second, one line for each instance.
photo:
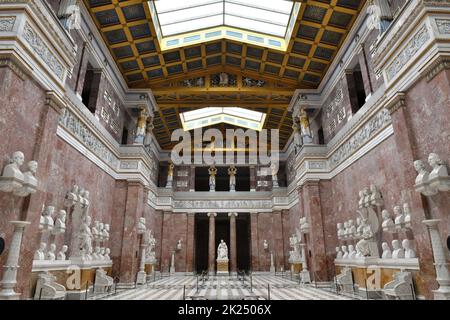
column 226, row 288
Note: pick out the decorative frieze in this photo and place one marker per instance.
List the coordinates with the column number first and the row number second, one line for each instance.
column 362, row 136
column 182, row 184
column 85, row 136
column 410, row 50
column 443, row 26
column 317, row 165
column 7, row 23
column 41, row 49
column 220, row 204
column 129, row 165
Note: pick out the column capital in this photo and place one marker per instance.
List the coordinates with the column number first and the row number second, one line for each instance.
column 212, row 214
column 396, row 103
column 235, row 214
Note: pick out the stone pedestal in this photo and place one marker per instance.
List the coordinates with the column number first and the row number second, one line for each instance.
column 12, row 263
column 222, row 266
column 296, row 267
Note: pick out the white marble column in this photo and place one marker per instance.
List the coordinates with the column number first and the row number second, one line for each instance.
column 304, row 274
column 142, row 276
column 12, row 263
column 212, row 242
column 440, row 261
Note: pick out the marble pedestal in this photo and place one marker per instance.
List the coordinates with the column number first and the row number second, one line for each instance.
column 222, row 266
column 141, row 277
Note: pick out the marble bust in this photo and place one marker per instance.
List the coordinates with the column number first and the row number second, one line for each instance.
column 438, row 177
column 46, row 220
column 265, row 245
column 60, row 223
column 340, row 230
column 30, row 182
column 346, row 230
column 40, row 253
column 95, row 230
column 179, row 245
column 407, row 214
column 107, row 253
column 397, row 252
column 105, row 232
column 339, row 253
column 387, row 253
column 51, row 254
column 71, row 197
column 351, row 229
column 351, row 252
column 375, row 196
column 102, row 254
column 345, row 252
column 409, row 252
column 12, row 178
column 62, row 253
column 388, row 223
column 422, row 174
column 361, row 199
column 96, row 254
column 399, row 217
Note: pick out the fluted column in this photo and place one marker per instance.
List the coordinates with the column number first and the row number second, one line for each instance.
column 12, row 263
column 233, row 248
column 440, row 261
column 212, row 242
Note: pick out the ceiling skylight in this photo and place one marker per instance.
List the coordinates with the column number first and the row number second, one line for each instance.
column 213, row 115
column 263, row 16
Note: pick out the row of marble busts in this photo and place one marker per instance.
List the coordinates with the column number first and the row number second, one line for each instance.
column 47, row 222
column 347, row 252
column 370, row 196
column 13, row 180
column 100, row 231
column 430, row 183
column 404, row 251
column 348, row 230
column 402, row 219
column 77, row 195
column 50, row 254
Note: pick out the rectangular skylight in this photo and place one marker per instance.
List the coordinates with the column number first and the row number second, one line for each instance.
column 263, row 16
column 213, row 115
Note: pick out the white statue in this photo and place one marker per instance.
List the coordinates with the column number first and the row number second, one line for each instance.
column 179, row 245
column 30, row 182
column 62, row 253
column 397, row 252
column 95, row 230
column 361, row 199
column 351, row 252
column 359, row 228
column 40, row 253
column 387, row 253
column 102, row 253
column 222, row 251
column 351, row 229
column 304, row 127
column 265, row 245
column 346, row 230
column 345, row 252
column 407, row 214
column 388, row 223
column 399, row 217
column 422, row 174
column 105, row 232
column 51, row 254
column 223, row 79
column 150, row 243
column 232, row 173
column 212, row 178
column 366, row 193
column 141, row 227
column 60, row 223
column 107, row 253
column 298, row 142
column 409, row 252
column 12, row 178
column 86, row 238
column 170, row 176
column 363, row 245
column 375, row 197
column 71, row 197
column 274, row 170
column 339, row 253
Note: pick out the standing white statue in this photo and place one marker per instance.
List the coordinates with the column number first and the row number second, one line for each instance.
column 274, row 170
column 170, row 176
column 297, row 136
column 141, row 126
column 212, row 178
column 232, row 173
column 304, row 126
column 222, row 251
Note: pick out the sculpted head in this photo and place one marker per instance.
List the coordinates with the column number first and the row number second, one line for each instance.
column 75, row 189
column 385, row 214
column 42, row 246
column 338, row 249
column 62, row 215
column 339, row 225
column 344, row 248
column 395, row 244
column 385, row 246
column 32, row 166
column 351, row 247
column 52, row 247
column 406, row 244
column 350, row 223
column 419, row 166
column 88, row 220
column 64, row 248
column 18, row 158
column 434, row 160
column 397, row 210
column 406, row 207
column 107, row 251
column 49, row 210
column 373, row 188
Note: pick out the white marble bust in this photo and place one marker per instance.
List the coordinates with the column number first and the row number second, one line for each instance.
column 71, row 196
column 351, row 252
column 96, row 254
column 62, row 253
column 438, row 177
column 397, row 252
column 399, row 217
column 51, row 254
column 105, row 232
column 388, row 223
column 422, row 174
column 12, row 177
column 95, row 230
column 345, row 252
column 107, row 253
column 60, row 223
column 46, row 220
column 407, row 214
column 387, row 253
column 361, row 199
column 265, row 245
column 409, row 252
column 351, row 229
column 340, row 230
column 346, row 230
column 339, row 253
column 375, row 196
column 102, row 253
column 30, row 182
column 40, row 253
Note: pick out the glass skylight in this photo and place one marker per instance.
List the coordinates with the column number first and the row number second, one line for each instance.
column 213, row 115
column 263, row 16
